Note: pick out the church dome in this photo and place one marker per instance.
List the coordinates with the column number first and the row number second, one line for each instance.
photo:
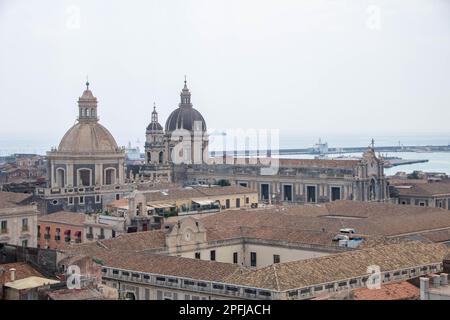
column 185, row 116
column 88, row 137
column 154, row 125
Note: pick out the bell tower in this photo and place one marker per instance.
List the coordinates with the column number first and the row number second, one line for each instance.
column 155, row 151
column 87, row 106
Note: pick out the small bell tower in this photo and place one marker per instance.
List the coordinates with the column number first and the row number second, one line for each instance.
column 87, row 106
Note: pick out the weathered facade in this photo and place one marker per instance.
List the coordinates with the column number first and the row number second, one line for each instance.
column 301, row 180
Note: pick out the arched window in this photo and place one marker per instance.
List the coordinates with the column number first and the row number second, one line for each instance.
column 372, row 190
column 60, row 177
column 110, row 176
column 149, row 157
column 92, row 112
column 161, row 157
column 84, row 177
column 87, row 112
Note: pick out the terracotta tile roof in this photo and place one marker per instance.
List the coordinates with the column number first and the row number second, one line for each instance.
column 23, row 270
column 195, row 192
column 130, row 242
column 341, row 266
column 75, row 294
column 317, row 223
column 173, row 266
column 437, row 235
column 319, row 163
column 63, row 217
column 424, row 189
column 118, row 203
column 392, row 291
column 300, row 163
column 13, row 199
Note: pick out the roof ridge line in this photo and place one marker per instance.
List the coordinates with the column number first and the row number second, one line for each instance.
column 276, row 277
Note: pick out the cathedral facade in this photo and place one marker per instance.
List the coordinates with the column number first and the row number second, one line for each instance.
column 179, row 153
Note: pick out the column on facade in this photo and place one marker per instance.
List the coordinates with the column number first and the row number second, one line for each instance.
column 121, row 171
column 98, row 174
column 69, row 174
column 53, row 175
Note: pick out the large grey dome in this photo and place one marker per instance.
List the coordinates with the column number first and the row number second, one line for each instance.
column 185, row 116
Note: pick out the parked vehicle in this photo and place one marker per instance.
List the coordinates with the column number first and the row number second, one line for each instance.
column 340, row 237
column 347, row 230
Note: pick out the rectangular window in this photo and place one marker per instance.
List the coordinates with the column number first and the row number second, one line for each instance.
column 4, row 226
column 25, row 224
column 97, row 198
column 238, row 202
column 117, row 196
column 213, row 255
column 287, row 192
column 335, row 193
column 82, row 200
column 197, row 255
column 253, row 259
column 276, row 258
column 311, row 194
column 70, row 200
column 265, row 191
column 25, row 243
column 227, row 203
column 247, row 200
column 235, row 257
column 218, row 286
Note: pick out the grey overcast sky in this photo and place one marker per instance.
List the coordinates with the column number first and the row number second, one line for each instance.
column 319, row 67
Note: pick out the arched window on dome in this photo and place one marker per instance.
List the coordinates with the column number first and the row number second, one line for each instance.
column 87, row 112
column 92, row 112
column 60, row 177
column 110, row 176
column 161, row 157
column 149, row 157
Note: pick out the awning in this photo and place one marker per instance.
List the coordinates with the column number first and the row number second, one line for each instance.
column 78, row 234
column 204, row 202
column 67, row 232
column 163, row 205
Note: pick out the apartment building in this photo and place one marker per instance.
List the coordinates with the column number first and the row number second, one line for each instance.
column 18, row 219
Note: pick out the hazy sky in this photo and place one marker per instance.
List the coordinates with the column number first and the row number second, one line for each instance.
column 316, row 67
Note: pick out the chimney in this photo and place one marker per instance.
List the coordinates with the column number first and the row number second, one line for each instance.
column 13, row 274
column 444, row 279
column 436, row 280
column 424, row 286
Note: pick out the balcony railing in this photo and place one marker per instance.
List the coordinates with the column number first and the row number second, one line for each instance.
column 3, row 231
column 67, row 239
column 47, row 236
column 57, row 238
column 89, row 236
column 25, row 228
column 101, row 236
column 78, row 240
